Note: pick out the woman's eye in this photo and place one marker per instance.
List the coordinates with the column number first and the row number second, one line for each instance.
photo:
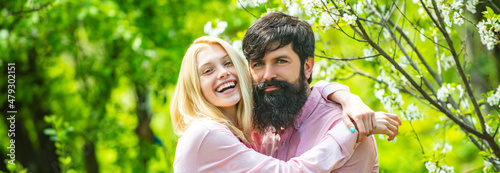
column 207, row 71
column 258, row 64
column 229, row 63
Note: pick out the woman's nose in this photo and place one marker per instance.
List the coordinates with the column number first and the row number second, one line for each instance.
column 224, row 74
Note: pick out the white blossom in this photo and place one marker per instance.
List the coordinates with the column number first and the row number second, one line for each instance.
column 422, row 36
column 487, row 36
column 448, row 30
column 393, row 98
column 221, row 26
column 403, row 61
column 4, row 34
column 358, row 7
column 381, row 137
column 386, row 33
column 487, row 164
column 471, row 6
column 481, row 26
column 446, row 16
column 458, row 19
column 287, row 2
column 320, row 69
column 444, row 149
column 431, row 167
column 412, row 113
column 421, row 11
column 391, row 85
column 350, row 19
column 494, row 99
column 326, row 19
column 465, row 104
column 379, row 94
column 447, row 61
column 447, row 169
column 496, row 27
column 251, row 3
column 447, row 148
column 403, row 79
column 294, row 9
column 368, row 52
column 489, row 129
column 456, row 4
column 237, row 44
column 461, row 91
column 310, row 7
column 444, row 92
column 437, row 126
column 151, row 53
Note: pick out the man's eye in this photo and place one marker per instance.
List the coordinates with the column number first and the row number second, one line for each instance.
column 282, row 61
column 258, row 64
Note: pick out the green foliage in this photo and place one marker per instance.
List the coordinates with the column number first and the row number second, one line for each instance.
column 94, row 81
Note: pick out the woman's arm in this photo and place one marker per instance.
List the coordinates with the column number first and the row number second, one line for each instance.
column 220, row 151
column 355, row 113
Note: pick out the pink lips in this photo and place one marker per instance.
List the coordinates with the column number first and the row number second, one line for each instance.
column 271, row 88
column 228, row 83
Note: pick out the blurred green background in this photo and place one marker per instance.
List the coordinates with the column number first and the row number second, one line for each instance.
column 94, row 81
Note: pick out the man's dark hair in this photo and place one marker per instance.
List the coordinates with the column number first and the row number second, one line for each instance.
column 276, row 30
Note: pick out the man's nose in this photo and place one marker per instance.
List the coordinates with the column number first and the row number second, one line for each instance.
column 269, row 73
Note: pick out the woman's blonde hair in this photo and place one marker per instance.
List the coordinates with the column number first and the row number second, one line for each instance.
column 188, row 103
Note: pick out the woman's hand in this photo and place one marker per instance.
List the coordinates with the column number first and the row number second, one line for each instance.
column 387, row 123
column 355, row 113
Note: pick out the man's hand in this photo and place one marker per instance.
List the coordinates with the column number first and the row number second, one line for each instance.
column 354, row 110
column 387, row 124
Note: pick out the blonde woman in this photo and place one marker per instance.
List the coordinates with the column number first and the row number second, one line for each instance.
column 211, row 109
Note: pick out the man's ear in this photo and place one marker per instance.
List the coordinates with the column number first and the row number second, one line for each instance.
column 308, row 67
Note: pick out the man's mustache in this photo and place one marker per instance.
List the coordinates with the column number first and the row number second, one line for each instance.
column 273, row 82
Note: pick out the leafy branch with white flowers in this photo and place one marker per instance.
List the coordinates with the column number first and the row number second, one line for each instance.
column 428, row 55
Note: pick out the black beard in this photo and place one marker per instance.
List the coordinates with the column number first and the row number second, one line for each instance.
column 278, row 108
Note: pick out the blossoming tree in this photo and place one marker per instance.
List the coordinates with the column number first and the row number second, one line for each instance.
column 423, row 52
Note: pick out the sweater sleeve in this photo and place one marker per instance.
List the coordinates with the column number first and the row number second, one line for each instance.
column 218, row 150
column 326, row 88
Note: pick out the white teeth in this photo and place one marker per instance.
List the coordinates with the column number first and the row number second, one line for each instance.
column 222, row 87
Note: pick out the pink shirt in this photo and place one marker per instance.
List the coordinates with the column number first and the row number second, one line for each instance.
column 318, row 117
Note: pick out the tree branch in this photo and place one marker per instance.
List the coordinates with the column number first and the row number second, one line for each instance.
column 459, row 67
column 410, row 43
column 337, row 22
column 495, row 7
column 247, row 10
column 403, row 50
column 348, row 59
column 32, row 10
column 415, row 85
